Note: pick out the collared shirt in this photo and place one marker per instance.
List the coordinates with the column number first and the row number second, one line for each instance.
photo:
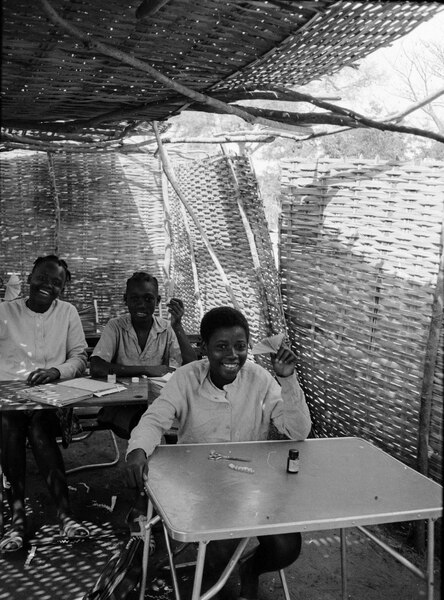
column 240, row 412
column 30, row 340
column 119, row 344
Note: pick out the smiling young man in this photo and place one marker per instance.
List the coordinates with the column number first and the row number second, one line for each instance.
column 139, row 343
column 224, row 398
column 41, row 340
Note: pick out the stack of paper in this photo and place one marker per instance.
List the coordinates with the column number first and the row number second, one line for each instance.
column 161, row 380
column 96, row 387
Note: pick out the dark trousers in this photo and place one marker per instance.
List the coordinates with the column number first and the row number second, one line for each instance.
column 274, row 552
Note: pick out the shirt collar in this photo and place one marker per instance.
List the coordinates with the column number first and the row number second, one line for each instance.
column 204, row 373
column 34, row 313
column 158, row 326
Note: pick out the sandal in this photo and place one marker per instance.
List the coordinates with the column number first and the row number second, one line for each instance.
column 72, row 529
column 13, row 540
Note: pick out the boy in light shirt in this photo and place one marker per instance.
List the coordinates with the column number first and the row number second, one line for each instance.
column 225, row 398
column 139, row 343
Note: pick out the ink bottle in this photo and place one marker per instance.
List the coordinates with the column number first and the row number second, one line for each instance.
column 293, row 461
column 111, row 378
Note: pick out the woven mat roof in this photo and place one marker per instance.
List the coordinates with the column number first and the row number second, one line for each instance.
column 52, row 80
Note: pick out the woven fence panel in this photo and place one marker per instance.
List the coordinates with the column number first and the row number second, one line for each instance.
column 210, row 189
column 27, row 212
column 360, row 249
column 109, row 221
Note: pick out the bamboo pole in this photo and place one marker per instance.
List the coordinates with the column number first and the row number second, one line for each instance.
column 166, row 267
column 193, row 261
column 169, row 172
column 251, row 242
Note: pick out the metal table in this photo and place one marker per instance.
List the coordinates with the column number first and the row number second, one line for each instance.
column 342, row 482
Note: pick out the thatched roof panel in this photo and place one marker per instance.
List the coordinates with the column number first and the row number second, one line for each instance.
column 50, row 75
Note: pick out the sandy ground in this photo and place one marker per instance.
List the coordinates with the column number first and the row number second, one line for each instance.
column 51, row 570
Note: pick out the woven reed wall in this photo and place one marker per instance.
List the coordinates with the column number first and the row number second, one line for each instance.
column 360, row 250
column 110, row 221
column 211, row 190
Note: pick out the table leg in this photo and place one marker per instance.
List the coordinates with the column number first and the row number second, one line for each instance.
column 284, row 585
column 199, row 570
column 344, row 564
column 430, row 559
column 146, row 546
column 172, row 566
column 227, row 571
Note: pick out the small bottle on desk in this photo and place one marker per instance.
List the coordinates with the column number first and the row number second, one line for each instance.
column 293, row 461
column 111, row 378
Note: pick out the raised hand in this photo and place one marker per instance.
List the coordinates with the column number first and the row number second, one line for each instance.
column 284, row 362
column 176, row 310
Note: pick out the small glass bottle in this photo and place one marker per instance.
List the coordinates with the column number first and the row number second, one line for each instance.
column 111, row 377
column 293, row 461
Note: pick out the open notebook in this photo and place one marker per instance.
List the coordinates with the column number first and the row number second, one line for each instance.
column 96, row 387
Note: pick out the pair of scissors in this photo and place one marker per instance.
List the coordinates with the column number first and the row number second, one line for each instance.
column 218, row 456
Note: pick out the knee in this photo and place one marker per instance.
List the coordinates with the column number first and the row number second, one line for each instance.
column 13, row 421
column 286, row 548
column 219, row 553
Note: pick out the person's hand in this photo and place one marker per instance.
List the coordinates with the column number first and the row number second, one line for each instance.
column 43, row 376
column 176, row 310
column 158, row 370
column 136, row 470
column 284, row 362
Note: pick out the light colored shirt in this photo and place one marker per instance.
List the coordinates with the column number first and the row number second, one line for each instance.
column 30, row 340
column 119, row 344
column 240, row 412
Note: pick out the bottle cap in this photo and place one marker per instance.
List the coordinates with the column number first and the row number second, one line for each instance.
column 293, row 454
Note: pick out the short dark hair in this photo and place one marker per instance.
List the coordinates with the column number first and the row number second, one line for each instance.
column 222, row 316
column 54, row 259
column 142, row 276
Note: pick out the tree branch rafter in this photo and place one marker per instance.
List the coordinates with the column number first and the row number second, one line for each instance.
column 103, row 133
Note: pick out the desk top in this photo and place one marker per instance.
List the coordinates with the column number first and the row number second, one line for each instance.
column 342, row 482
column 145, row 391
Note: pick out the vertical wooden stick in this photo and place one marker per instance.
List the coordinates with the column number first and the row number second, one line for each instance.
column 425, row 410
column 172, row 179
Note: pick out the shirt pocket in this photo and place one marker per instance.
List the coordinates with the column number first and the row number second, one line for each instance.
column 210, row 421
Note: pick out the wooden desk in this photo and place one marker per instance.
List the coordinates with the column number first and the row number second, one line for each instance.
column 342, row 482
column 143, row 392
